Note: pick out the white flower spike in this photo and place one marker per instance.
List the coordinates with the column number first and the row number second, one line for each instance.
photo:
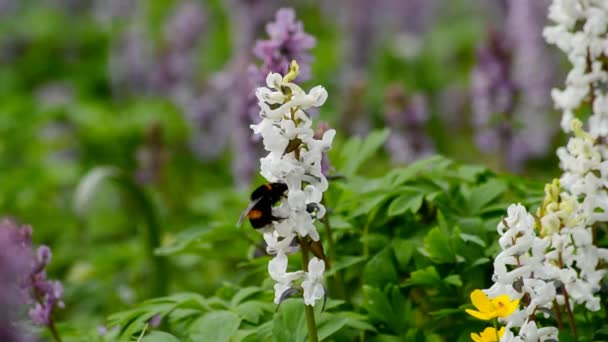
column 294, row 158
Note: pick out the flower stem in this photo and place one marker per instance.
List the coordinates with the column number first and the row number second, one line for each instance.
column 310, row 313
column 570, row 315
column 558, row 315
column 54, row 331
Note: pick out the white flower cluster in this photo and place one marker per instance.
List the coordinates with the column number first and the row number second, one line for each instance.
column 549, row 262
column 294, row 158
column 580, row 31
column 521, row 271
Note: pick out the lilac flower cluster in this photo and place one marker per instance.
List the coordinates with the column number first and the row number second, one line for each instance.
column 46, row 293
column 287, row 42
column 511, row 82
column 14, row 259
column 23, row 279
column 493, row 94
column 406, row 115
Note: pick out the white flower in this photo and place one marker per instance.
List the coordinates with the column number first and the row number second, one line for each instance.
column 312, row 286
column 277, row 268
column 279, row 245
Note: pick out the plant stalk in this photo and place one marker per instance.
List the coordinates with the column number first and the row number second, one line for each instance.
column 161, row 276
column 54, row 331
column 309, row 310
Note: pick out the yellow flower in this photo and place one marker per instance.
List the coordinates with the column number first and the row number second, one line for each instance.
column 501, row 306
column 488, row 335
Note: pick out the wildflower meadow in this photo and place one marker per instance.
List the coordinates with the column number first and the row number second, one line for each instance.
column 306, row 170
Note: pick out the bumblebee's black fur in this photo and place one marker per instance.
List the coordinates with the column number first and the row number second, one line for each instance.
column 265, row 197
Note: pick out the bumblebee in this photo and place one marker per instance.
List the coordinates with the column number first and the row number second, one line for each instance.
column 259, row 211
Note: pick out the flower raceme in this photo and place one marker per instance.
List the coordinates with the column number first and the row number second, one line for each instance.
column 501, row 306
column 294, row 158
column 488, row 335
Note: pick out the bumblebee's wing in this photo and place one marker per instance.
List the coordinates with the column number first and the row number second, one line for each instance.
column 247, row 210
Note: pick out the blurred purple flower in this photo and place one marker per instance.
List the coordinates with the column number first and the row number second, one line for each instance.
column 107, row 11
column 184, row 28
column 493, row 93
column 130, row 62
column 510, row 89
column 174, row 71
column 45, row 293
column 155, row 321
column 287, row 41
column 406, row 116
column 16, row 260
column 534, row 74
column 23, row 278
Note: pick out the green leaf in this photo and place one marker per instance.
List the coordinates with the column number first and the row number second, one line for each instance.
column 289, row 323
column 481, row 196
column 453, row 279
column 380, row 269
column 330, row 326
column 386, row 338
column 438, row 248
column 471, row 172
column 244, row 294
column 403, row 250
column 405, row 202
column 472, row 238
column 424, row 277
column 357, row 151
column 366, row 205
column 400, row 176
column 215, row 326
column 159, row 336
column 345, row 262
column 357, row 321
column 251, row 311
column 390, row 308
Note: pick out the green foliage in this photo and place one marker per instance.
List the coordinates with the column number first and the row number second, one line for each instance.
column 426, row 232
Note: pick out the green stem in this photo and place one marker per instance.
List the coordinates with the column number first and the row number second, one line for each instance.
column 310, row 313
column 366, row 233
column 53, row 330
column 153, row 235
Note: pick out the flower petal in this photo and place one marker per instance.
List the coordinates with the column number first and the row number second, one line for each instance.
column 481, row 315
column 481, row 301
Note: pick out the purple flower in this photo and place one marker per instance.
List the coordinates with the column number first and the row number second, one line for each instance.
column 45, row 293
column 23, row 278
column 534, row 74
column 511, row 83
column 406, row 116
column 15, row 262
column 493, row 93
column 287, row 41
column 184, row 28
column 131, row 61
